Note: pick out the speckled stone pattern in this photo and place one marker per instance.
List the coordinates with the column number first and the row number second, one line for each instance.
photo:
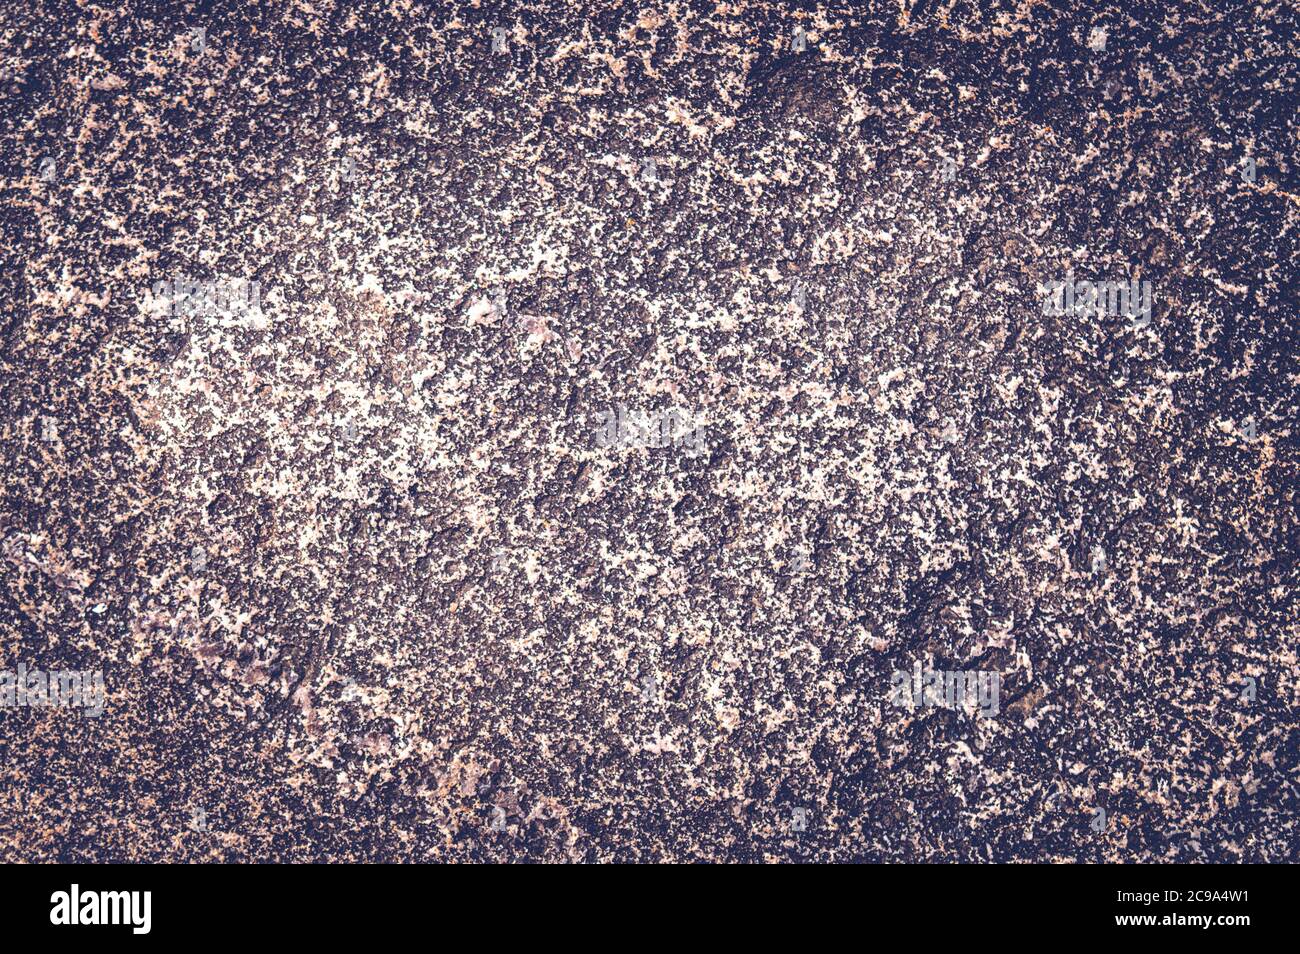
column 548, row 432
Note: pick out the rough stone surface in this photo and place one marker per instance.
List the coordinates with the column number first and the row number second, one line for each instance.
column 364, row 585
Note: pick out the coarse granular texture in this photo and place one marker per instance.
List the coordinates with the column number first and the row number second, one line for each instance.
column 546, row 432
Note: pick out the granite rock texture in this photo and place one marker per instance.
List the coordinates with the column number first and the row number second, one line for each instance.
column 363, row 582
